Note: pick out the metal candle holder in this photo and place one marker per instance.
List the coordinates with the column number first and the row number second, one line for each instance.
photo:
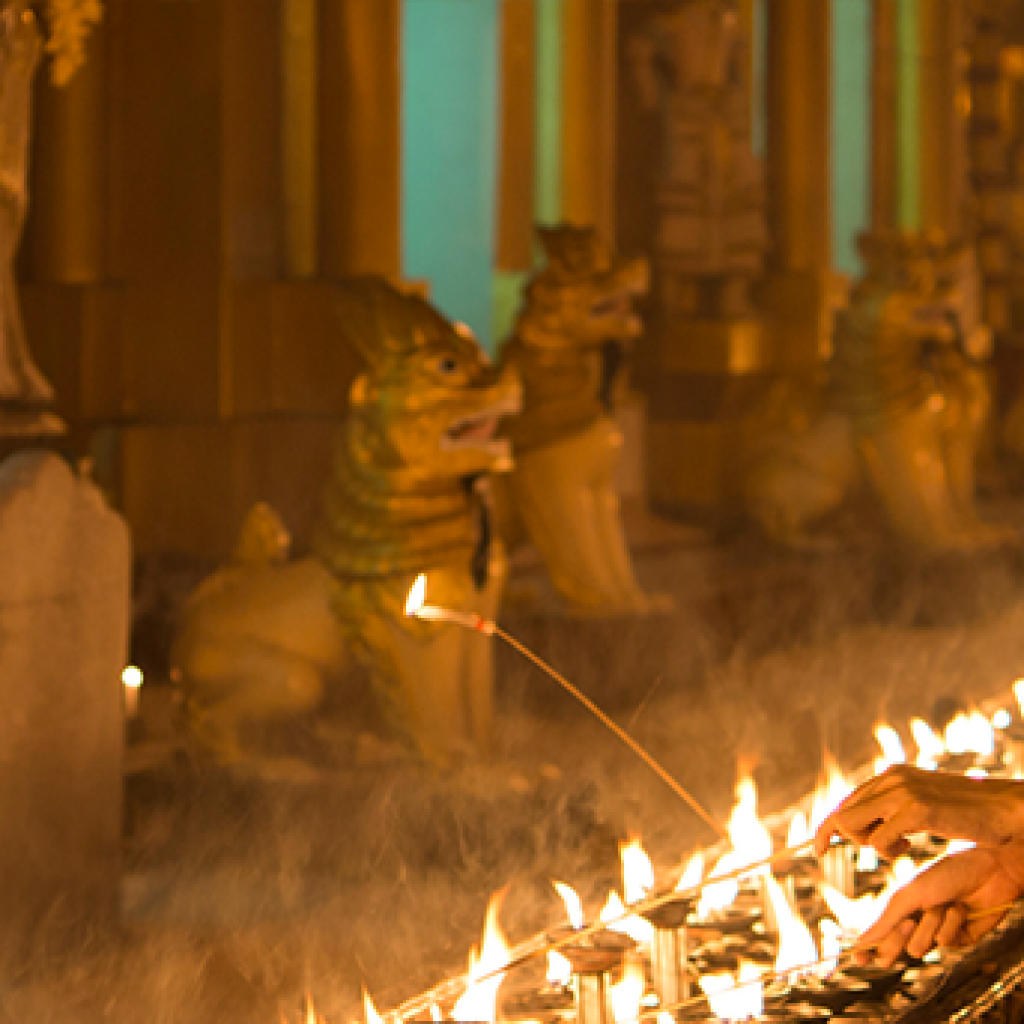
column 592, row 962
column 669, row 968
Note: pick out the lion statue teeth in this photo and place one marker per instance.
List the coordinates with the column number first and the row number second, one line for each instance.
column 260, row 640
column 568, row 346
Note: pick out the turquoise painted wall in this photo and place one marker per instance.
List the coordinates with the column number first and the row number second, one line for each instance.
column 449, row 153
column 850, row 155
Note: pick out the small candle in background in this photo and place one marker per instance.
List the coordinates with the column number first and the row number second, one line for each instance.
column 131, row 677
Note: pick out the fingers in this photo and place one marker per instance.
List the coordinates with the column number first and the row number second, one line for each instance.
column 888, row 837
column 949, row 932
column 863, row 811
column 885, row 948
column 922, row 938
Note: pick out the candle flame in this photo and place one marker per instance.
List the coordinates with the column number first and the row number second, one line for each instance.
column 892, row 748
column 929, row 746
column 854, row 915
column 751, row 842
column 479, row 1001
column 613, row 914
column 830, row 793
column 369, row 1010
column 692, row 873
column 559, row 970
column 626, row 993
column 417, row 595
column 971, row 733
column 637, row 871
column 131, row 677
column 573, row 905
column 799, row 831
column 796, row 943
column 736, row 998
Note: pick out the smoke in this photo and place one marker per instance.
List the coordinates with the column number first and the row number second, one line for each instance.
column 239, row 898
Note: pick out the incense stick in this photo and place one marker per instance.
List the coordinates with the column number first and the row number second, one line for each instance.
column 614, row 727
column 415, row 605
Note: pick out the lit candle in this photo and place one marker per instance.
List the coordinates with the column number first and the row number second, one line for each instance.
column 131, row 677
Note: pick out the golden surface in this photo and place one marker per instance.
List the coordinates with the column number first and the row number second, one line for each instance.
column 716, row 346
column 566, row 442
column 262, row 639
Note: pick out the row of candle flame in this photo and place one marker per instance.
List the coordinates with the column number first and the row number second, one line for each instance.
column 740, row 996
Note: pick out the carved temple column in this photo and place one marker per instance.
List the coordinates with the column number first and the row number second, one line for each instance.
column 993, row 66
column 799, row 292
column 884, row 152
column 710, row 347
column 222, row 194
column 517, row 141
column 588, row 114
column 918, row 117
column 359, row 124
column 943, row 112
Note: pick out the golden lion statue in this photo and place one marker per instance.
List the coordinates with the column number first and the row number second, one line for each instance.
column 904, row 410
column 260, row 640
column 569, row 339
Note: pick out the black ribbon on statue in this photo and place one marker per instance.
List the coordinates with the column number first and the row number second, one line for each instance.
column 479, row 488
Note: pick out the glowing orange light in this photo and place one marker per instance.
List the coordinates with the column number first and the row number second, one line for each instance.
column 929, row 746
column 479, row 1001
column 751, row 842
column 614, row 915
column 573, row 904
column 369, row 1010
column 692, row 873
column 738, row 998
column 626, row 993
column 830, row 793
column 892, row 748
column 796, row 943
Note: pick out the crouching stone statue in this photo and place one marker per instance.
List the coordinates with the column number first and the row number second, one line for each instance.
column 261, row 640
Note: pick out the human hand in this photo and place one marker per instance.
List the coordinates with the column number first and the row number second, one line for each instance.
column 904, row 800
column 952, row 903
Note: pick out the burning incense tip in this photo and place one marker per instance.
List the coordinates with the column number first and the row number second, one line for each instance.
column 415, row 606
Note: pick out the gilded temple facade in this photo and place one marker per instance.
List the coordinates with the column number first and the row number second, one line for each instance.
column 188, row 218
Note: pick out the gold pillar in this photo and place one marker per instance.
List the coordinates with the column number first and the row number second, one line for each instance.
column 588, row 114
column 68, row 197
column 941, row 161
column 884, row 119
column 798, row 93
column 712, row 352
column 360, row 134
column 518, row 136
column 299, row 72
column 799, row 291
column 250, row 201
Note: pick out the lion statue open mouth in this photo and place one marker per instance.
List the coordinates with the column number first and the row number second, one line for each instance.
column 407, row 494
column 569, row 342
